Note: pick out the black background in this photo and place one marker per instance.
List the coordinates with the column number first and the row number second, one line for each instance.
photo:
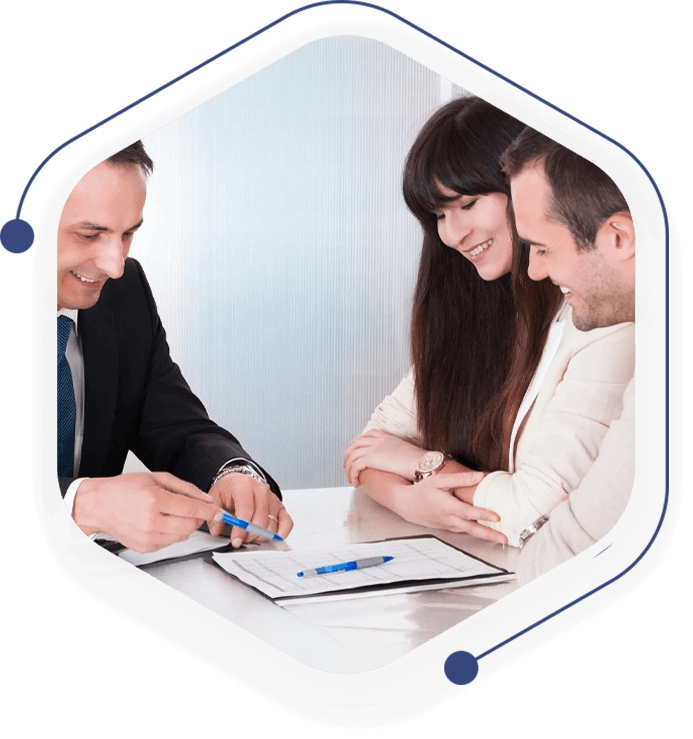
column 67, row 72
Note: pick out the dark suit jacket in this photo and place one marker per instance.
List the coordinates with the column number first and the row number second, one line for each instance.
column 136, row 397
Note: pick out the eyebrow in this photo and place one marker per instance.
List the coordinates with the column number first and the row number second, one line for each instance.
column 529, row 242
column 89, row 226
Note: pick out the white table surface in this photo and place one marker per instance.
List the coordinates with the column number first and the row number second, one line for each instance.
column 342, row 636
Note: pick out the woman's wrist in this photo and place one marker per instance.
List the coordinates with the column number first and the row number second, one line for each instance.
column 414, row 461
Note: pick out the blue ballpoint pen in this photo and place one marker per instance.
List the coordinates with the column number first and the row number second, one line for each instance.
column 358, row 564
column 250, row 527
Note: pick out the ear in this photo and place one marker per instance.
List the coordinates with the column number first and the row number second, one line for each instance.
column 617, row 234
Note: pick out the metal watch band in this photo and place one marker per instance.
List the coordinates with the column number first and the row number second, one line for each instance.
column 532, row 529
column 243, row 469
column 430, row 464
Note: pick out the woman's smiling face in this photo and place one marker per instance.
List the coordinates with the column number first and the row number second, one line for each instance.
column 477, row 227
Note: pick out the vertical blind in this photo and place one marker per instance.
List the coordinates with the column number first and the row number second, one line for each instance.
column 281, row 253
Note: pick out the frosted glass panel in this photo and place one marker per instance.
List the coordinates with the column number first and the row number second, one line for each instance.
column 281, row 253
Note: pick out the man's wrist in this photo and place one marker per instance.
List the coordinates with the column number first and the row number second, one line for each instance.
column 242, row 468
column 70, row 493
column 532, row 529
column 84, row 509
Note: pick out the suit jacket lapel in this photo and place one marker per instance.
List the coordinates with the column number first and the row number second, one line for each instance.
column 100, row 350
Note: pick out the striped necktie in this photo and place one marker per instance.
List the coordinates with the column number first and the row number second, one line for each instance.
column 66, row 403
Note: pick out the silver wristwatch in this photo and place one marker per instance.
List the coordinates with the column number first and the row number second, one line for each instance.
column 243, row 469
column 430, row 464
column 532, row 529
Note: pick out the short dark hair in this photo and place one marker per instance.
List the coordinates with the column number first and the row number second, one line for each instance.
column 582, row 195
column 136, row 155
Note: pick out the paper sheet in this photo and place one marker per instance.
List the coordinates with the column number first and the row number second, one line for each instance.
column 198, row 541
column 418, row 558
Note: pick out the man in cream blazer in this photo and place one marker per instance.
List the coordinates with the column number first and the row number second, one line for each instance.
column 581, row 236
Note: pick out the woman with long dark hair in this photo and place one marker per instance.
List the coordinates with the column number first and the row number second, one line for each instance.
column 482, row 332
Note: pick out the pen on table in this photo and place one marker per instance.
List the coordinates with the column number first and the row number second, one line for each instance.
column 358, row 564
column 250, row 527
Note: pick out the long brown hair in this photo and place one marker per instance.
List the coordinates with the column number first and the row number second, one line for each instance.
column 474, row 344
column 536, row 306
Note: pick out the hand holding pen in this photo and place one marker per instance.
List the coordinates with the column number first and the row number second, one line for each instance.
column 251, row 528
column 251, row 502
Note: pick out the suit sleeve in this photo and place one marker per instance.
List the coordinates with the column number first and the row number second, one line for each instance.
column 566, row 437
column 592, row 509
column 174, row 432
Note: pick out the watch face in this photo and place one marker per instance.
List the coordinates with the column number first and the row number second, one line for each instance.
column 430, row 462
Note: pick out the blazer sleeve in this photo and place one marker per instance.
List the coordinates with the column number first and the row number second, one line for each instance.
column 562, row 438
column 594, row 508
column 174, row 432
column 397, row 413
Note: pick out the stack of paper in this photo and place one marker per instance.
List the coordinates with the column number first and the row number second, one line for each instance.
column 419, row 563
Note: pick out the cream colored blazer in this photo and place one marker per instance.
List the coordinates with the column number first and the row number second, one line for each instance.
column 581, row 393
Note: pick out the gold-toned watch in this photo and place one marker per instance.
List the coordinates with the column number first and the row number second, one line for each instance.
column 430, row 464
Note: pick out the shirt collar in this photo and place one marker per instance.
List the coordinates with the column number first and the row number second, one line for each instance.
column 72, row 315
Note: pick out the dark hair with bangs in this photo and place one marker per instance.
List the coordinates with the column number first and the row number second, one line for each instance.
column 458, row 148
column 466, row 332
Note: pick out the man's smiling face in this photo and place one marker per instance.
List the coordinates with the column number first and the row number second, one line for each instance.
column 95, row 232
column 589, row 278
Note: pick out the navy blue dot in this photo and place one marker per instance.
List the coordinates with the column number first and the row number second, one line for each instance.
column 461, row 668
column 17, row 236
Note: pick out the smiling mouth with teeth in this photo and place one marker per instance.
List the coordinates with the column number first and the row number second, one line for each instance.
column 83, row 279
column 480, row 249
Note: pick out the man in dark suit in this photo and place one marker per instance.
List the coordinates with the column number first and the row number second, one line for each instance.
column 119, row 390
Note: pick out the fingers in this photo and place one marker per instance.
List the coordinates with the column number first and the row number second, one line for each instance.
column 479, row 531
column 249, row 500
column 358, row 447
column 362, row 440
column 358, row 461
column 184, row 506
column 357, row 468
column 459, row 479
column 285, row 523
column 176, row 485
column 251, row 503
column 478, row 514
column 464, row 519
column 215, row 527
column 460, row 509
column 153, row 529
column 355, row 462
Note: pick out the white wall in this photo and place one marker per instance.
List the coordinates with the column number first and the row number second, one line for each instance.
column 281, row 253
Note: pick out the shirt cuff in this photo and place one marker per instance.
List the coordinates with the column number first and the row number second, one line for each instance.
column 70, row 494
column 69, row 500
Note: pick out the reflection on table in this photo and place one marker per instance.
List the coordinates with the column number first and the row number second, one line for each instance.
column 344, row 635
